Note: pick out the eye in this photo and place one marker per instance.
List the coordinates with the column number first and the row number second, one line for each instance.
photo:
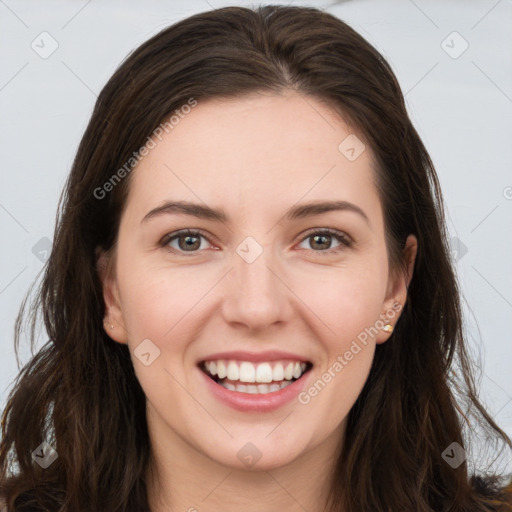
column 322, row 238
column 187, row 241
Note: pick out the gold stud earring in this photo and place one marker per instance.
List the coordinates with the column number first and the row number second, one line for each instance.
column 388, row 328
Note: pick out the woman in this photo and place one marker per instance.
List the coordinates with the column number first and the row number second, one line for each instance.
column 250, row 302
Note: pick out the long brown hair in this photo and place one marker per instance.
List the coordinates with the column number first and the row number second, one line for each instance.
column 79, row 393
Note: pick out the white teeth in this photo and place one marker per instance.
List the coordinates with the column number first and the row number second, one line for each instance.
column 221, row 369
column 278, row 372
column 248, row 372
column 232, row 371
column 253, row 389
column 264, row 373
column 297, row 371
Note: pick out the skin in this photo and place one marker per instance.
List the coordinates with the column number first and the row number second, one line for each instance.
column 254, row 157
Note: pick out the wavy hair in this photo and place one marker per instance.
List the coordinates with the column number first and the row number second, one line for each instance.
column 79, row 392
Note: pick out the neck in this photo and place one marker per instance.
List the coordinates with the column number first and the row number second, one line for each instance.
column 182, row 479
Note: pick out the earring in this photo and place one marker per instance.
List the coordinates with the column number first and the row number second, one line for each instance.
column 388, row 328
column 111, row 326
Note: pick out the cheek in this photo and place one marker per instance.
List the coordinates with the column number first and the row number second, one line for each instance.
column 158, row 304
column 155, row 298
column 348, row 303
column 346, row 300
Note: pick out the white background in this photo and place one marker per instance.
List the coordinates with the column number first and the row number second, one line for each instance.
column 462, row 108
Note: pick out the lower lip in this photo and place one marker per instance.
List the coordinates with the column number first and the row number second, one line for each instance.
column 247, row 402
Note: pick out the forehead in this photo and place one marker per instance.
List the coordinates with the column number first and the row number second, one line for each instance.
column 253, row 153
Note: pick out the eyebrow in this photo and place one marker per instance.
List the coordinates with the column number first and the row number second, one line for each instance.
column 296, row 212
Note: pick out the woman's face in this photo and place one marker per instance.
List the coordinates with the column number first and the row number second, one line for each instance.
column 259, row 286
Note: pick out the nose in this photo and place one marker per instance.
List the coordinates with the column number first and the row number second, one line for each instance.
column 256, row 294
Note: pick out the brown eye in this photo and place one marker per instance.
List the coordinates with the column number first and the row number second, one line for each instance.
column 187, row 241
column 321, row 241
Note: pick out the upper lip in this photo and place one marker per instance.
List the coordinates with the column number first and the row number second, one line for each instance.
column 255, row 357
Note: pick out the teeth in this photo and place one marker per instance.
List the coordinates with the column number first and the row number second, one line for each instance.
column 221, row 369
column 253, row 389
column 288, row 372
column 261, row 373
column 232, row 372
column 264, row 373
column 247, row 372
column 297, row 371
column 278, row 372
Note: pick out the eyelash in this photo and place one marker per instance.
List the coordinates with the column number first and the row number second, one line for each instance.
column 344, row 240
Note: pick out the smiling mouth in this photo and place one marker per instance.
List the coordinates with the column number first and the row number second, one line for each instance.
column 255, row 378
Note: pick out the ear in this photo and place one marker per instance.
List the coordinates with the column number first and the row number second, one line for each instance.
column 396, row 294
column 113, row 322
